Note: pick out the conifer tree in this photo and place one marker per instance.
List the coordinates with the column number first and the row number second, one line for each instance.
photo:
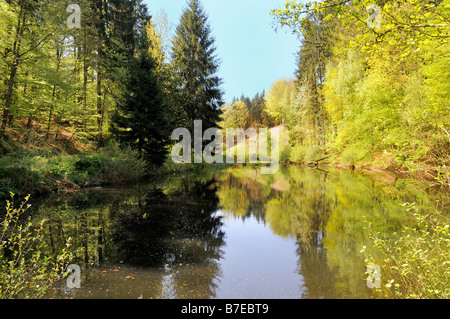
column 312, row 59
column 194, row 59
column 140, row 120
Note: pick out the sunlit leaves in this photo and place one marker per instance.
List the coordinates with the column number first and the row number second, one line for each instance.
column 235, row 115
column 27, row 268
column 406, row 24
column 415, row 261
column 279, row 100
column 385, row 88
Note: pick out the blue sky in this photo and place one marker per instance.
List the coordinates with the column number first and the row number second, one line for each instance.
column 252, row 54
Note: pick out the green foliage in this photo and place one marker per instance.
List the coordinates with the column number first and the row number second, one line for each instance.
column 27, row 268
column 372, row 95
column 298, row 153
column 278, row 101
column 351, row 157
column 64, row 83
column 193, row 58
column 120, row 166
column 244, row 112
column 140, row 121
column 414, row 262
column 313, row 153
column 285, row 153
column 235, row 115
column 42, row 173
column 405, row 24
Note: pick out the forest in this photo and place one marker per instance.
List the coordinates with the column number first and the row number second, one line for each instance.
column 91, row 92
column 76, row 89
column 364, row 95
column 87, row 93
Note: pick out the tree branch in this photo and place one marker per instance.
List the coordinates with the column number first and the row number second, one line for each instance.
column 39, row 43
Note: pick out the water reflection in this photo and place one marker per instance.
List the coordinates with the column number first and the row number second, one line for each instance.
column 174, row 238
column 325, row 213
column 295, row 234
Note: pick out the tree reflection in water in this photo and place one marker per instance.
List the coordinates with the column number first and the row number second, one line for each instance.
column 178, row 235
column 324, row 212
column 170, row 235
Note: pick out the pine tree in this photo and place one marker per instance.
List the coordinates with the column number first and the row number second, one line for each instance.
column 140, row 120
column 312, row 59
column 256, row 110
column 193, row 58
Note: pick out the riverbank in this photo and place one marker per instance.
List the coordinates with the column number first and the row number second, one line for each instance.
column 313, row 157
column 432, row 175
column 41, row 172
column 427, row 169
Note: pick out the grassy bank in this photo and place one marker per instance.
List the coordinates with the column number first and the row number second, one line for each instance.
column 41, row 171
column 313, row 156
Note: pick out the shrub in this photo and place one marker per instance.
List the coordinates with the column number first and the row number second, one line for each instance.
column 416, row 262
column 24, row 174
column 285, row 153
column 121, row 165
column 62, row 166
column 349, row 157
column 297, row 154
column 313, row 153
column 18, row 179
column 26, row 269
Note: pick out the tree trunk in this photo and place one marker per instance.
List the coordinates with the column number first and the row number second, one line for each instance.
column 99, row 109
column 29, row 126
column 14, row 66
column 58, row 63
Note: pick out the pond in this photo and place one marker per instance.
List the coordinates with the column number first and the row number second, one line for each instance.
column 230, row 233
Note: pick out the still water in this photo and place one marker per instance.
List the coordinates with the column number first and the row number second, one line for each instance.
column 230, row 233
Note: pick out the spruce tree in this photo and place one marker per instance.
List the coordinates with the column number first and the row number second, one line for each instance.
column 140, row 120
column 315, row 52
column 256, row 110
column 199, row 92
